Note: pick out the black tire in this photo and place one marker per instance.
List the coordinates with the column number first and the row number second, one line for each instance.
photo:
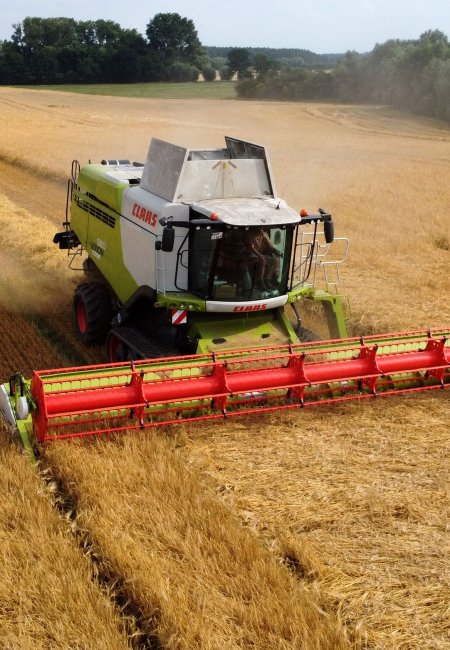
column 92, row 312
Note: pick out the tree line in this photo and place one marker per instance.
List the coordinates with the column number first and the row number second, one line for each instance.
column 67, row 51
column 64, row 50
column 411, row 75
column 287, row 57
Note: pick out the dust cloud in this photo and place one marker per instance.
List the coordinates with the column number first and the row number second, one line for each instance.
column 34, row 276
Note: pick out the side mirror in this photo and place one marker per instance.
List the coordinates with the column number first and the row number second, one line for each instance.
column 168, row 239
column 328, row 229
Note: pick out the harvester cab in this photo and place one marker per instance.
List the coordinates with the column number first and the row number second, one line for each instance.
column 190, row 252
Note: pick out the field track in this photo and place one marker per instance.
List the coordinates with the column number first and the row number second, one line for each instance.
column 325, row 529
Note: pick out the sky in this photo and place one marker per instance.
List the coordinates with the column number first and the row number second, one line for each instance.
column 317, row 25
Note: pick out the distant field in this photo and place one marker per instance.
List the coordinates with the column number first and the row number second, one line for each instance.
column 194, row 90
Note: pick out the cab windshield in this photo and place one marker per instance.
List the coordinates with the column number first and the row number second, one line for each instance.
column 239, row 264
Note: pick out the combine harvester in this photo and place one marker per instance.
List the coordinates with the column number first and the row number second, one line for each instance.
column 191, row 260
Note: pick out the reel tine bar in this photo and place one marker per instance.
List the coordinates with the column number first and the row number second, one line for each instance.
column 94, row 400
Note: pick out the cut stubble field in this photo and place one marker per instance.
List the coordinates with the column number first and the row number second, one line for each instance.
column 320, row 529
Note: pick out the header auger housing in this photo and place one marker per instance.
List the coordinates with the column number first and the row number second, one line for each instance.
column 190, row 260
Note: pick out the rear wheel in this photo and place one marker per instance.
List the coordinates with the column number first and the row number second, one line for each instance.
column 92, row 312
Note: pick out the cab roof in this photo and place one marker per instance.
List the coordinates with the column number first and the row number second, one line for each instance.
column 248, row 212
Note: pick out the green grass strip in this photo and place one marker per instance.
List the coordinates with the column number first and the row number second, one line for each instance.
column 157, row 90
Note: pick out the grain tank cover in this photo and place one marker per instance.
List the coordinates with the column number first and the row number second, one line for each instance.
column 180, row 175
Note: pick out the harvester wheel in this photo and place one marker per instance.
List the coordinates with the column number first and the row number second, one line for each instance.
column 92, row 312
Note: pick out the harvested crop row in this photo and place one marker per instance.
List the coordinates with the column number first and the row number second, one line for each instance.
column 199, row 579
column 49, row 597
column 357, row 498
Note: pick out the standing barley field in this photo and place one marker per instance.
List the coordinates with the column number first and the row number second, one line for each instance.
column 324, row 529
